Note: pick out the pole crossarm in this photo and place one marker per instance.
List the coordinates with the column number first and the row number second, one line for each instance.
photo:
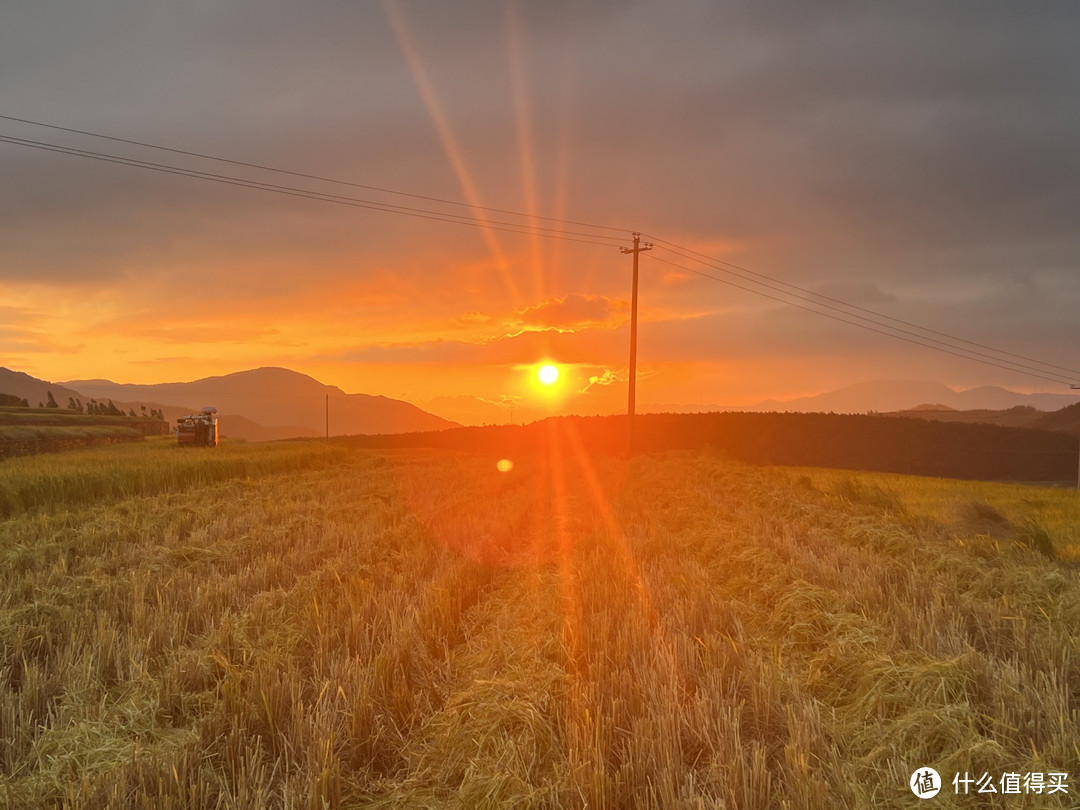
column 636, row 250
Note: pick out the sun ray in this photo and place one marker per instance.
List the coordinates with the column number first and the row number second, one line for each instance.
column 442, row 126
column 566, row 72
column 664, row 646
column 526, row 150
column 570, row 587
column 619, row 544
column 580, row 724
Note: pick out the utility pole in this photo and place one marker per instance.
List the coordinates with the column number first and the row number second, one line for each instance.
column 635, row 250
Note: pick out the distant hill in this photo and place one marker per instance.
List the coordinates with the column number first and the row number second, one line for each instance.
column 34, row 390
column 277, row 398
column 889, row 396
column 233, row 426
column 1065, row 420
column 899, row 395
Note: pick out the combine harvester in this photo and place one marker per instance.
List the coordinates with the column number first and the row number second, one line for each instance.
column 198, row 429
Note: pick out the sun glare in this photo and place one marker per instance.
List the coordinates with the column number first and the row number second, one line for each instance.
column 548, row 374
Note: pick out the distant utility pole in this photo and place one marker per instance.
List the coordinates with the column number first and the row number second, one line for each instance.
column 636, row 249
column 1076, row 388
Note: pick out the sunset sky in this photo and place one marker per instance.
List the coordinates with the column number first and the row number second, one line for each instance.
column 918, row 160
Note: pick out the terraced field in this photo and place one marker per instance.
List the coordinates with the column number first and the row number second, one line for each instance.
column 26, row 431
column 308, row 625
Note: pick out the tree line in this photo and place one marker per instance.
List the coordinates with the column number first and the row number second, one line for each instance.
column 845, row 441
column 92, row 407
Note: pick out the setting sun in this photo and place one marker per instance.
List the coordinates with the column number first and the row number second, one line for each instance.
column 548, row 374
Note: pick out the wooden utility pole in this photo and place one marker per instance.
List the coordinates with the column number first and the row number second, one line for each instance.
column 635, row 250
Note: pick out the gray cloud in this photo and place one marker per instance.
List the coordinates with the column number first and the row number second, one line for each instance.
column 915, row 157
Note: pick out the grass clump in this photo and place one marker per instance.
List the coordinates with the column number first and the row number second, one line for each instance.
column 1031, row 534
column 856, row 491
column 980, row 517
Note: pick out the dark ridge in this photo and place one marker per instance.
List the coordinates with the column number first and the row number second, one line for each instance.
column 856, row 442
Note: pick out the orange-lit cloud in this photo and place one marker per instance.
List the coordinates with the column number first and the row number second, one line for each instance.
column 471, row 319
column 195, row 333
column 606, row 377
column 573, row 312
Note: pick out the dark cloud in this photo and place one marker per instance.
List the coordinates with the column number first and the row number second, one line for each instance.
column 915, row 157
column 917, row 123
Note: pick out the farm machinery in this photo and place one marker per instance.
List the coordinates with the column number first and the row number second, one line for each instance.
column 198, row 429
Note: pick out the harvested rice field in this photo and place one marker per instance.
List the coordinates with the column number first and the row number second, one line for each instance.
column 303, row 625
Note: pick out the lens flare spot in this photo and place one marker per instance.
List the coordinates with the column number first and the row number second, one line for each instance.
column 548, row 374
column 504, row 465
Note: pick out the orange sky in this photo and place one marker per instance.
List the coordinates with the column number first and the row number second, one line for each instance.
column 820, row 156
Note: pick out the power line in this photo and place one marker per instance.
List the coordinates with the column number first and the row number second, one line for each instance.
column 306, row 176
column 355, row 202
column 752, row 276
column 969, row 352
column 938, row 346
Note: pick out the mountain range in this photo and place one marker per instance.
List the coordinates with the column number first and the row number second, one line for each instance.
column 274, row 403
column 258, row 405
column 881, row 396
column 899, row 395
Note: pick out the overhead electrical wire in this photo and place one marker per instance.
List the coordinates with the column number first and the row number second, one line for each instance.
column 896, row 331
column 753, row 276
column 811, row 301
column 915, row 340
column 306, row 176
column 355, row 202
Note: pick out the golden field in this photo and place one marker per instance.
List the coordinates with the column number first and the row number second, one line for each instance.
column 305, row 625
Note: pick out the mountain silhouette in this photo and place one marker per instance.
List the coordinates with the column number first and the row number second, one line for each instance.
column 277, row 400
column 898, row 395
column 33, row 390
